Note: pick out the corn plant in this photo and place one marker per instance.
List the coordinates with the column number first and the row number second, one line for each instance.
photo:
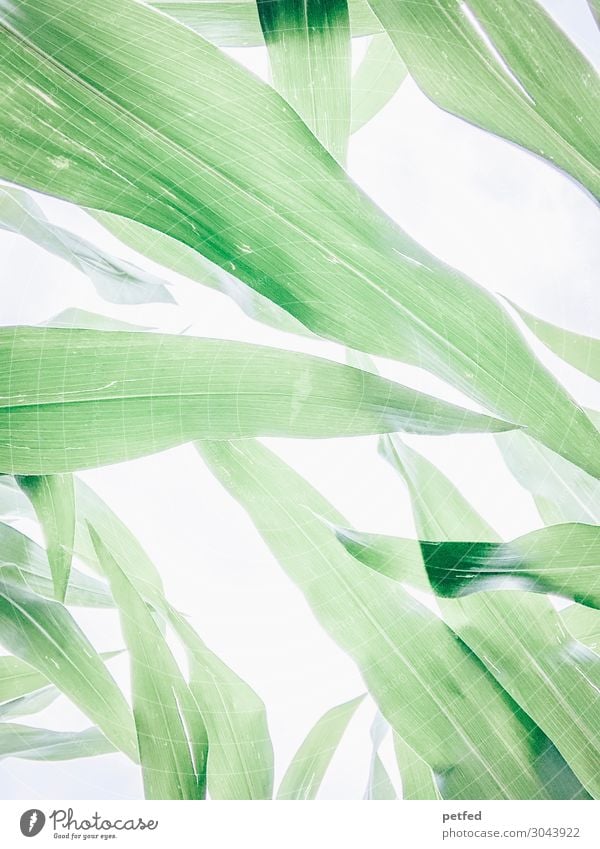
column 137, row 113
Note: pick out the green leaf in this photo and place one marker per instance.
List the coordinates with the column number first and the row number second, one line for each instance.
column 520, row 639
column 379, row 785
column 44, row 634
column 118, row 126
column 73, row 317
column 53, row 500
column 310, row 56
column 41, row 744
column 165, row 757
column 240, row 753
column 33, row 702
column 582, row 352
column 114, row 279
column 505, row 67
column 561, row 559
column 235, row 23
column 418, row 780
column 107, row 397
column 562, row 492
column 18, row 678
column 307, row 769
column 24, row 563
column 584, row 624
column 178, row 257
column 376, row 81
column 427, row 684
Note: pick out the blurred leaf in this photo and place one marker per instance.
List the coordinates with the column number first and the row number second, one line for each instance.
column 240, row 753
column 520, row 639
column 418, row 780
column 505, row 67
column 44, row 634
column 310, row 56
column 582, row 352
column 156, row 680
column 584, row 624
column 114, row 279
column 376, row 81
column 53, row 500
column 41, row 744
column 427, row 684
column 562, row 491
column 307, row 769
column 171, row 154
column 379, row 785
column 33, row 702
column 24, row 563
column 106, row 397
column 74, row 317
column 235, row 23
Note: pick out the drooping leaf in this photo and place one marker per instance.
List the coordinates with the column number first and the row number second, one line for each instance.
column 505, row 67
column 376, row 81
column 427, row 684
column 418, row 780
column 307, row 769
column 310, row 56
column 235, row 23
column 520, row 639
column 582, row 352
column 114, row 279
column 171, row 154
column 379, row 784
column 107, row 397
column 33, row 702
column 24, row 563
column 41, row 744
column 157, row 683
column 240, row 752
column 562, row 491
column 53, row 500
column 43, row 634
column 561, row 559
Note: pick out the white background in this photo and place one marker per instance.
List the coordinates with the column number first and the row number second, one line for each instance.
column 495, row 212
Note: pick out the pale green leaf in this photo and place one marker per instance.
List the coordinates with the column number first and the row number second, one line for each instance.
column 379, row 784
column 307, row 769
column 73, row 317
column 106, row 397
column 506, row 67
column 53, row 500
column 114, row 279
column 418, row 780
column 376, row 81
column 241, row 179
column 43, row 634
column 41, row 744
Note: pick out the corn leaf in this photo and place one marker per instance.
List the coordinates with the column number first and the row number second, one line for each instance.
column 242, row 180
column 427, row 684
column 41, row 744
column 418, row 780
column 505, row 67
column 114, row 279
column 240, row 753
column 107, row 397
column 307, row 769
column 164, row 749
column 235, row 23
column 43, row 634
column 310, row 56
column 53, row 500
column 376, row 81
column 33, row 702
column 561, row 559
column 18, row 678
column 24, row 563
column 582, row 352
column 520, row 639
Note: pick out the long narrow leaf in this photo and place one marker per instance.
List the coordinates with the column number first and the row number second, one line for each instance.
column 506, row 67
column 43, row 634
column 418, row 780
column 107, row 397
column 376, row 81
column 379, row 785
column 40, row 744
column 307, row 769
column 243, row 181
